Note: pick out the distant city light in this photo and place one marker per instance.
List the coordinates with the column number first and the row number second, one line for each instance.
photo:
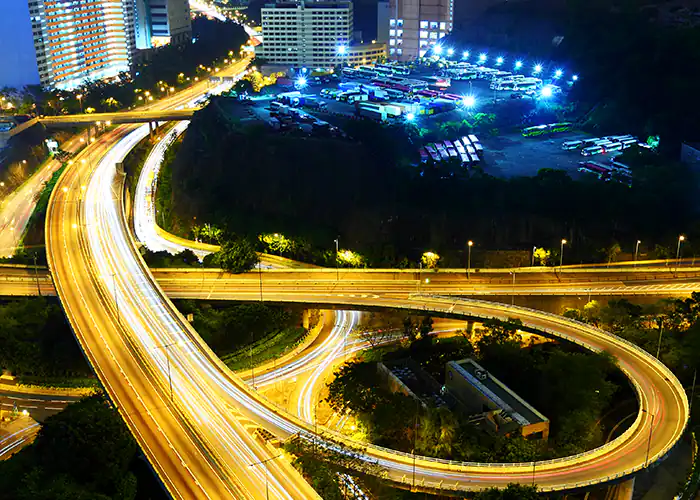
column 538, row 68
column 574, row 78
column 410, row 117
column 518, row 64
column 469, row 101
column 437, row 50
column 482, row 57
column 465, row 54
column 558, row 73
column 547, row 91
column 499, row 60
column 450, row 52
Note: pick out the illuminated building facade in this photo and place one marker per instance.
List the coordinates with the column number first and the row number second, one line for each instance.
column 417, row 25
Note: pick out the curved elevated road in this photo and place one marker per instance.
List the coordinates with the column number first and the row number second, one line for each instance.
column 198, row 439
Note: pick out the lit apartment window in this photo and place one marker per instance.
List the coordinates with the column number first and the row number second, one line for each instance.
column 400, row 23
column 422, row 53
column 433, row 36
column 443, row 26
column 399, row 51
column 392, row 42
column 392, row 32
column 423, row 43
column 392, row 22
column 424, row 25
column 424, row 34
column 392, row 51
column 433, row 25
column 442, row 34
column 399, row 33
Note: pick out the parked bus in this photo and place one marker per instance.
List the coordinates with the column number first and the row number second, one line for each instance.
column 349, row 72
column 366, row 73
column 569, row 145
column 592, row 150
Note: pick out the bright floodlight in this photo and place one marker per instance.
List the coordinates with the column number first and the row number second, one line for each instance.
column 482, row 57
column 450, row 52
column 469, row 101
column 518, row 64
column 538, row 68
column 465, row 54
column 410, row 117
column 499, row 60
column 437, row 50
column 558, row 73
column 342, row 50
column 301, row 82
column 574, row 78
column 547, row 91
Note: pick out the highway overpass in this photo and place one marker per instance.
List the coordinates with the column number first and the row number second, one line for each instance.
column 145, row 116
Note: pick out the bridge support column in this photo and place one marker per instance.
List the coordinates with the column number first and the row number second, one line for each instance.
column 151, row 128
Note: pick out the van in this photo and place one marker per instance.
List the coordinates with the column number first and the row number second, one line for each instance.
column 569, row 145
column 592, row 150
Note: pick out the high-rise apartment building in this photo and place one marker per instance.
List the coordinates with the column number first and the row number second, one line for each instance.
column 159, row 22
column 74, row 40
column 306, row 33
column 416, row 25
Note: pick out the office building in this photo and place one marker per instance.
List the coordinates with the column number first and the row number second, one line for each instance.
column 364, row 53
column 416, row 25
column 505, row 412
column 73, row 40
column 305, row 33
column 383, row 16
column 160, row 22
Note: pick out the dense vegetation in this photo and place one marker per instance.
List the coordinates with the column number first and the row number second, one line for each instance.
column 570, row 387
column 670, row 327
column 36, row 342
column 230, row 329
column 83, row 453
column 251, row 181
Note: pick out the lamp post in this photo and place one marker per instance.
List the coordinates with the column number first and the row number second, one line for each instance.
column 263, row 462
column 512, row 295
column 534, row 249
column 337, row 264
column 80, row 100
column 651, row 429
column 681, row 239
column 470, row 244
column 636, row 252
column 167, row 357
column 661, row 332
column 561, row 255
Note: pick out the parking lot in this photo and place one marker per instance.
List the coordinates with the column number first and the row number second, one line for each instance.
column 507, row 153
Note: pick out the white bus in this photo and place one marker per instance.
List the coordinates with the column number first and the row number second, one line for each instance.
column 593, row 150
column 569, row 145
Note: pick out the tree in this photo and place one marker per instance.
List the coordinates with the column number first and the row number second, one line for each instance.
column 511, row 492
column 542, row 256
column 236, row 256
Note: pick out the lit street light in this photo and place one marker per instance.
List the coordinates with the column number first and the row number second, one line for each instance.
column 450, row 52
column 167, row 357
column 465, row 54
column 574, row 78
column 499, row 60
column 546, row 91
column 636, row 252
column 518, row 64
column 561, row 255
column 437, row 50
column 538, row 68
column 263, row 462
column 469, row 101
column 681, row 239
column 558, row 73
column 470, row 244
column 482, row 58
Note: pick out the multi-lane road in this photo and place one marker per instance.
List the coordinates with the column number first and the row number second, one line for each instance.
column 214, row 284
column 194, row 419
column 139, row 346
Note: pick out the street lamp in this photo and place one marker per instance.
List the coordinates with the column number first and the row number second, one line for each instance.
column 512, row 295
column 337, row 268
column 80, row 99
column 534, row 249
column 651, row 429
column 636, row 252
column 681, row 239
column 167, row 357
column 561, row 255
column 263, row 462
column 470, row 244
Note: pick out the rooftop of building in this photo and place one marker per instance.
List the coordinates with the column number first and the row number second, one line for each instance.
column 496, row 391
column 424, row 386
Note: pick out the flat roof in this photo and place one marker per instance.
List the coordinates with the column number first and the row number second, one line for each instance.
column 501, row 395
